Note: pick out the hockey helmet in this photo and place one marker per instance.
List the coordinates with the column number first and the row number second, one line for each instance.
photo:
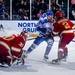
column 49, row 12
column 24, row 33
column 58, row 14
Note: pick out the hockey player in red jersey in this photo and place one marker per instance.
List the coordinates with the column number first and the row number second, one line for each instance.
column 11, row 48
column 64, row 28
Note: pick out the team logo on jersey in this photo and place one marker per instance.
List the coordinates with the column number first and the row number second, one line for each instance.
column 21, row 44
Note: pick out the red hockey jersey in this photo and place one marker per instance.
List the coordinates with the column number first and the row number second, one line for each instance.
column 62, row 26
column 13, row 44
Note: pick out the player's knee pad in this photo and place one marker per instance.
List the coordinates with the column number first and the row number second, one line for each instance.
column 50, row 43
column 33, row 46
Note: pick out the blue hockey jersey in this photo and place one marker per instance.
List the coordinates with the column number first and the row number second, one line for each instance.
column 44, row 26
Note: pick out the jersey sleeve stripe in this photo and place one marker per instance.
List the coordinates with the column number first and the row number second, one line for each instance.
column 15, row 49
column 5, row 45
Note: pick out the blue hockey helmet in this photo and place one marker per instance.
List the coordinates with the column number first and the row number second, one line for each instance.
column 49, row 12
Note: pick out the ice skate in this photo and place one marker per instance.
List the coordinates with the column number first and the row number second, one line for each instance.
column 65, row 57
column 46, row 57
column 56, row 61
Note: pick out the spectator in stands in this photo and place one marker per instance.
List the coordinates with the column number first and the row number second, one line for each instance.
column 34, row 17
column 25, row 15
column 20, row 11
column 4, row 12
column 73, row 13
column 24, row 4
column 43, row 5
column 39, row 14
column 35, row 3
column 73, row 3
column 34, row 12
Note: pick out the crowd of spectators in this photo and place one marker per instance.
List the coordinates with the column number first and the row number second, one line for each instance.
column 63, row 4
column 39, row 7
column 21, row 8
column 24, row 10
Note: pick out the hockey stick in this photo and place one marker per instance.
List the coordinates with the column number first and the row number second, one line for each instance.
column 31, row 39
column 36, row 37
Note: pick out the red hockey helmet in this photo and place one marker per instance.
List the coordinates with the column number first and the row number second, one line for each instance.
column 24, row 33
column 58, row 14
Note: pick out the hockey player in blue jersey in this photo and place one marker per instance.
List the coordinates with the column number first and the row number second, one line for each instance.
column 45, row 28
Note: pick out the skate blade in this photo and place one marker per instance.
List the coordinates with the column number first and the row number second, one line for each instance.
column 45, row 59
column 55, row 63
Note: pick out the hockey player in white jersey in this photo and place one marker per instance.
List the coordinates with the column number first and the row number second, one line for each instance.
column 45, row 28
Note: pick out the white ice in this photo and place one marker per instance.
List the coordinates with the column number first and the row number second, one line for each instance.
column 35, row 65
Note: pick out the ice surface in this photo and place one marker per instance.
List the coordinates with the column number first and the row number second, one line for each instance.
column 35, row 65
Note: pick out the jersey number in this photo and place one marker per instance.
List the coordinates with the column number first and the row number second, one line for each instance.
column 65, row 25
